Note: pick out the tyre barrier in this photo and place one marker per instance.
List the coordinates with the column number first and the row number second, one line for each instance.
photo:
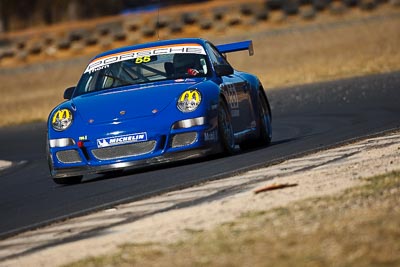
column 129, row 29
column 274, row 4
column 162, row 21
column 308, row 12
column 35, row 48
column 337, row 8
column 350, row 3
column 176, row 27
column 234, row 20
column 91, row 40
column 206, row 24
column 21, row 44
column 247, row 9
column 368, row 4
column 21, row 55
column 262, row 15
column 77, row 34
column 321, row 5
column 63, row 43
column 77, row 47
column 190, row 18
column 148, row 30
column 219, row 13
column 106, row 42
column 107, row 28
column 7, row 53
column 48, row 39
column 132, row 25
column 290, row 7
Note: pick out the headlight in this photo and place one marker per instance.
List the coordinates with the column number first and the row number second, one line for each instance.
column 189, row 101
column 62, row 119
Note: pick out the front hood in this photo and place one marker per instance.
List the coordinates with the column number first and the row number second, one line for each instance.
column 129, row 102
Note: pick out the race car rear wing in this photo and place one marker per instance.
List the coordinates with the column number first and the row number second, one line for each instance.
column 238, row 46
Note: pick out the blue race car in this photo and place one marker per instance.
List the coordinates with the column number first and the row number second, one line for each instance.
column 156, row 102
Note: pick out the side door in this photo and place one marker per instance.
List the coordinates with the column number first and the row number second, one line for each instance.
column 237, row 93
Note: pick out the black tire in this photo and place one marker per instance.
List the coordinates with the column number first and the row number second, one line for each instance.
column 265, row 118
column 265, row 132
column 68, row 180
column 225, row 129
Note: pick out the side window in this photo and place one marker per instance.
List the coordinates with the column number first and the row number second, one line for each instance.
column 215, row 55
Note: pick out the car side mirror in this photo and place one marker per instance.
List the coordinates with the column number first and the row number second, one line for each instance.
column 69, row 92
column 223, row 70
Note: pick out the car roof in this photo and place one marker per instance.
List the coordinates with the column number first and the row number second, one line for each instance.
column 152, row 44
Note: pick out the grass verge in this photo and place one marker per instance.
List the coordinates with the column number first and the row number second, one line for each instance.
column 359, row 227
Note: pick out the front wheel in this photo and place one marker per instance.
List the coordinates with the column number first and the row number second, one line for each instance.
column 225, row 129
column 68, row 180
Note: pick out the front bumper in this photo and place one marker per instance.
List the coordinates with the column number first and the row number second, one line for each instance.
column 166, row 158
column 68, row 156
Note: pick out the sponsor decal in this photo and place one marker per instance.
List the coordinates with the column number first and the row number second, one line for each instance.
column 145, row 59
column 99, row 68
column 62, row 114
column 62, row 119
column 123, row 139
column 235, row 113
column 144, row 55
column 83, row 138
column 211, row 136
column 190, row 95
column 189, row 100
column 232, row 96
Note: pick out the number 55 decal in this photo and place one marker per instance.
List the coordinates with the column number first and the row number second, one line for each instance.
column 144, row 59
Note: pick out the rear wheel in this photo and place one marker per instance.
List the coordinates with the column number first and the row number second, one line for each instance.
column 68, row 180
column 225, row 129
column 265, row 129
column 265, row 120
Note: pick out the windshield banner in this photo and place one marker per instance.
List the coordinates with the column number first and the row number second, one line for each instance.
column 103, row 62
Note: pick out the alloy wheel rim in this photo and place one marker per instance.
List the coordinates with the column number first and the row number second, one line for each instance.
column 227, row 128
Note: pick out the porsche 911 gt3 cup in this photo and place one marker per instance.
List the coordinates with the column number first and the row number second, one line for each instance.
column 156, row 102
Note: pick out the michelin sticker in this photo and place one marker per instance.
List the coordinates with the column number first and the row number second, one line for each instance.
column 124, row 139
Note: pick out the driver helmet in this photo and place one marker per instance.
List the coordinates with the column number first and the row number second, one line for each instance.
column 182, row 62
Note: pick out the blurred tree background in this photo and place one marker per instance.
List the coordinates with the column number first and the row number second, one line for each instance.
column 22, row 14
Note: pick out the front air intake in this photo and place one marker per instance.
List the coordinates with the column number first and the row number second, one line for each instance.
column 124, row 151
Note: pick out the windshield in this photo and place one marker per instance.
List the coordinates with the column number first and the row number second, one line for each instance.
column 144, row 66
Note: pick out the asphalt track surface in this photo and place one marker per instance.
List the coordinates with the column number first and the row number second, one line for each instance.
column 305, row 119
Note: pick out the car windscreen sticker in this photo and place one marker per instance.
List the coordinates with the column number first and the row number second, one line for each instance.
column 104, row 62
column 123, row 139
